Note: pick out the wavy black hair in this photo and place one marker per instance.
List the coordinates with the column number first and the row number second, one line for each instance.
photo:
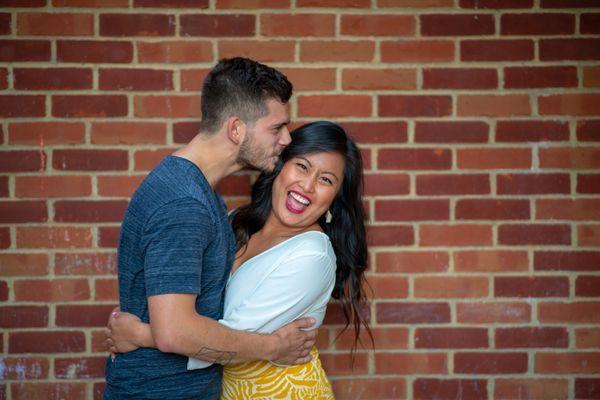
column 347, row 229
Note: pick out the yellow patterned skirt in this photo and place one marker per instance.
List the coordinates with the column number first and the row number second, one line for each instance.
column 263, row 380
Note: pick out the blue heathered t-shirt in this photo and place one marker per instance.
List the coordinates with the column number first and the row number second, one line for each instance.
column 175, row 238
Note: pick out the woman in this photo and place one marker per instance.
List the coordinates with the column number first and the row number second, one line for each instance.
column 300, row 241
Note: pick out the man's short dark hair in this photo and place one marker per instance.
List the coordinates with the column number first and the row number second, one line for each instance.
column 240, row 86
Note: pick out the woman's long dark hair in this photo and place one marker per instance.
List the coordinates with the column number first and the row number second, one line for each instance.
column 347, row 229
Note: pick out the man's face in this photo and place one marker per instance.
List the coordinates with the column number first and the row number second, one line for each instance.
column 266, row 139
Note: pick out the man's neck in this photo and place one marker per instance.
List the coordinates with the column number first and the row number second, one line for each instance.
column 214, row 156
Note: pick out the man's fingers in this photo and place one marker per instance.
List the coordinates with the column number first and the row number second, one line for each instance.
column 302, row 360
column 304, row 323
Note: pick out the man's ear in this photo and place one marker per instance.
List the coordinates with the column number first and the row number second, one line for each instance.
column 236, row 130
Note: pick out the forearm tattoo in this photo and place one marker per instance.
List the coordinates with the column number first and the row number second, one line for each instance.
column 216, row 356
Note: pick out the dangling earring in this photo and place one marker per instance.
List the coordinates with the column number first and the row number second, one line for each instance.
column 328, row 217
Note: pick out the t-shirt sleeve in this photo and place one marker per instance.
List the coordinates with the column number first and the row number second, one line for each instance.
column 292, row 289
column 174, row 240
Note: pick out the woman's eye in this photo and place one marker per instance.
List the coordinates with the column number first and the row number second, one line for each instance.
column 327, row 180
column 302, row 166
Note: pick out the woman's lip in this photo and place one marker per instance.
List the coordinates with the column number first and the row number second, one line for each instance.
column 302, row 195
column 293, row 205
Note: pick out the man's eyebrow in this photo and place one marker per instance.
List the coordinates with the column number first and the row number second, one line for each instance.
column 280, row 124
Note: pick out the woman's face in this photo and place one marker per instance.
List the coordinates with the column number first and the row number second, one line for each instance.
column 306, row 187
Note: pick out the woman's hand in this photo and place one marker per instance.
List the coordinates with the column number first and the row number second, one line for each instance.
column 122, row 332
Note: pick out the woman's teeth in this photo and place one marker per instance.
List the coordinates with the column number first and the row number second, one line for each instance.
column 300, row 199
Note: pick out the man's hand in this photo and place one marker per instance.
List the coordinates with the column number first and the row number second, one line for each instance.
column 293, row 342
column 121, row 335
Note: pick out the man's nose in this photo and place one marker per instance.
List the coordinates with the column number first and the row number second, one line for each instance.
column 285, row 138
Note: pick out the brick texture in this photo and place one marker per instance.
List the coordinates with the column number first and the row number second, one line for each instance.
column 479, row 126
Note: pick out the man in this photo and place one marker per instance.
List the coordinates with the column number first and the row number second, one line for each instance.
column 176, row 246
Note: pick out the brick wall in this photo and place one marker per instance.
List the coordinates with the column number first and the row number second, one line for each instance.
column 479, row 122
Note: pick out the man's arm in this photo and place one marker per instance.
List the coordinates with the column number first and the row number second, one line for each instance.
column 177, row 328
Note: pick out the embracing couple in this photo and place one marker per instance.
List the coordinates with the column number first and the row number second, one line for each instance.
column 227, row 305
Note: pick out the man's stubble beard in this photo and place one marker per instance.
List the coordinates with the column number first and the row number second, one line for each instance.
column 252, row 157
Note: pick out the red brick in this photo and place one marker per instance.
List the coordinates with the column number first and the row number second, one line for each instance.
column 5, row 23
column 429, row 388
column 496, row 4
column 342, row 364
column 570, row 104
column 90, row 160
column 587, row 286
column 175, row 51
column 587, row 388
column 106, row 289
column 450, row 287
column 79, row 368
column 183, row 132
column 53, row 237
column 587, row 338
column 415, row 159
column 91, row 3
column 570, row 157
column 455, row 235
column 23, row 316
column 259, row 50
column 415, row 3
column 459, row 78
column 52, row 78
column 48, row 390
column 567, row 363
column 568, row 4
column 334, row 3
column 531, row 131
column 539, row 235
column 167, row 106
column 15, row 212
column 411, row 363
column 24, row 50
column 569, row 49
column 376, row 132
column 386, row 184
column 25, row 264
column 490, row 261
column 522, row 389
column 137, row 25
column 490, row 363
column 130, row 133
column 46, row 342
column 378, row 25
column 53, row 186
column 89, row 211
column 234, row 185
column 533, row 183
column 84, row 316
column 56, row 290
column 334, row 106
column 22, row 161
column 89, row 106
column 372, row 388
column 475, row 209
column 118, row 185
column 451, row 132
column 92, row 51
column 21, row 368
column 496, row 50
column 540, row 286
column 451, row 338
column 24, row 3
column 494, row 158
column 412, row 262
column 5, row 238
column 588, row 235
column 379, row 79
column 537, row 24
column 335, row 315
column 135, row 79
column 412, row 210
column 493, row 105
column 388, row 286
column 540, row 77
column 390, row 235
column 588, row 183
column 4, row 293
column 337, row 51
column 3, row 78
column 252, row 4
column 591, row 76
column 55, row 24
column 171, row 3
column 447, row 184
column 493, row 312
column 412, row 313
column 457, row 25
column 238, row 25
column 145, row 160
column 565, row 209
column 22, row 106
column 574, row 312
column 417, row 51
column 300, row 25
column 567, row 260
column 85, row 264
column 46, row 133
column 588, row 130
column 4, row 191
column 414, row 106
column 588, row 23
